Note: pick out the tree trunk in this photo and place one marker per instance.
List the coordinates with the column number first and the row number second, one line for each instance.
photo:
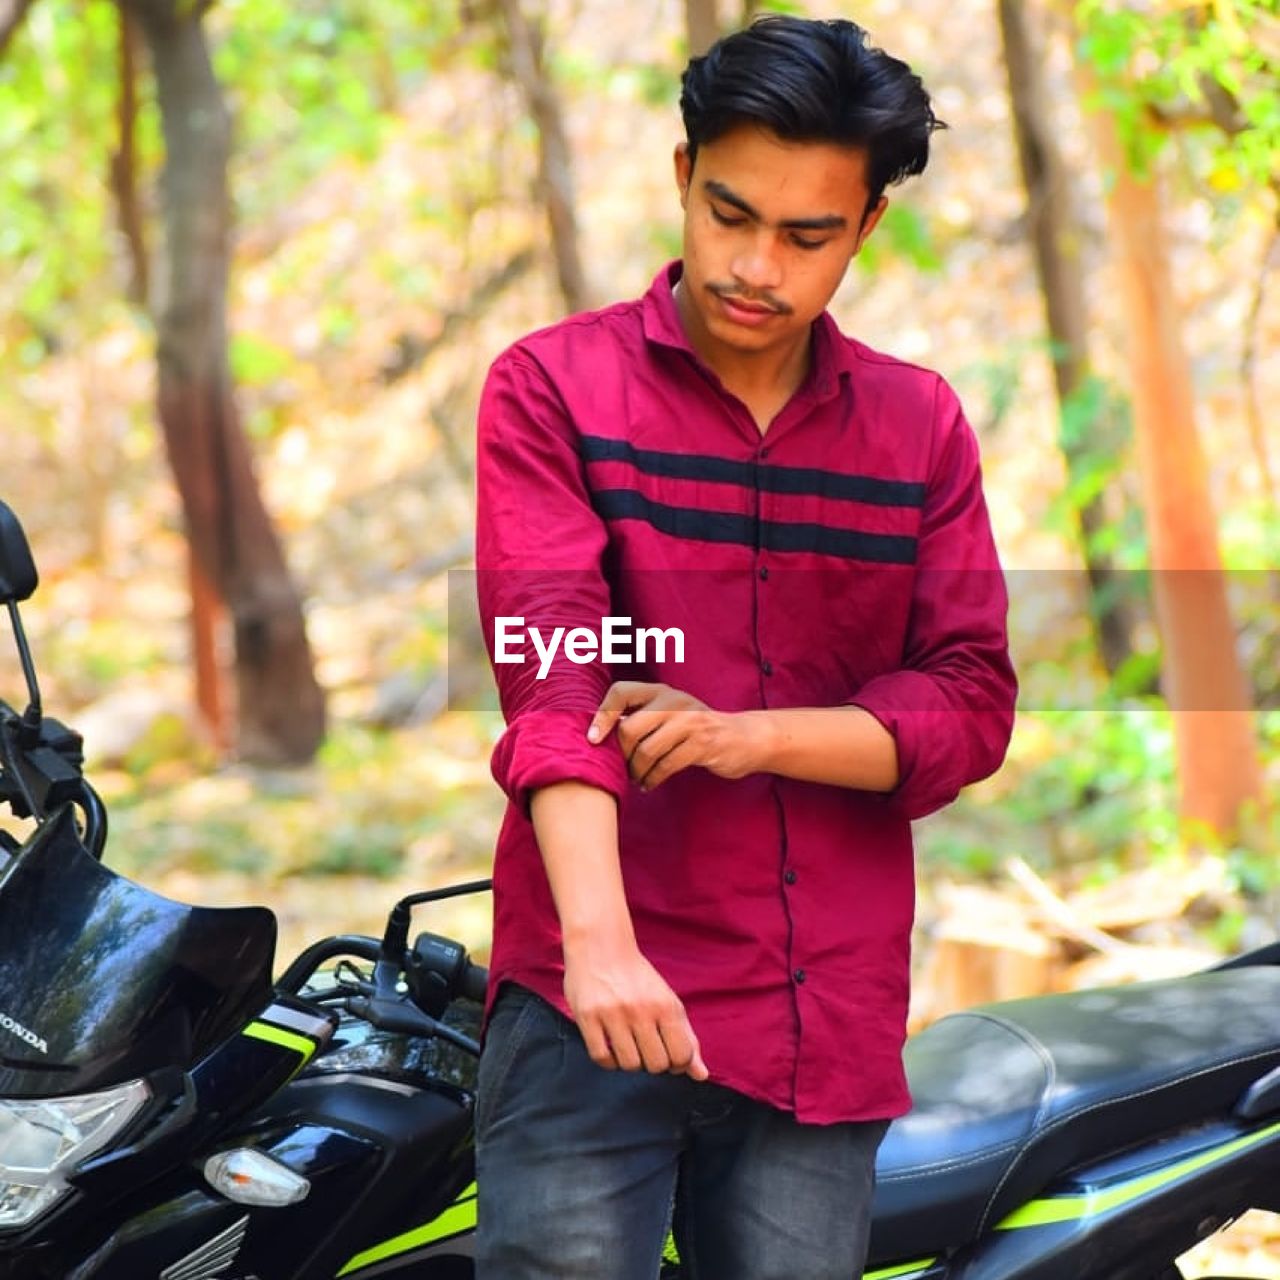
column 279, row 704
column 1057, row 237
column 124, row 164
column 12, row 13
column 208, row 616
column 702, row 25
column 1217, row 755
column 555, row 165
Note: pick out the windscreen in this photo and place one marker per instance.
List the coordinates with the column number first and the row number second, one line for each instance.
column 102, row 980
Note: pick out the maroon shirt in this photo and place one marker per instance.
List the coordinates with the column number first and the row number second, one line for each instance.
column 844, row 557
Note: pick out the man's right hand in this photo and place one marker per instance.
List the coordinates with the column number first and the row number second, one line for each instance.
column 628, row 1015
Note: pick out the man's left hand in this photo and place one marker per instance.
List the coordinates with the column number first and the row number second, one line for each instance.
column 662, row 730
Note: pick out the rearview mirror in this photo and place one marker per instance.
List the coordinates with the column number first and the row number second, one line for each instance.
column 18, row 577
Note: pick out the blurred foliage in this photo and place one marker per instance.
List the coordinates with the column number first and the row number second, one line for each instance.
column 307, row 85
column 359, row 811
column 903, row 232
column 360, row 123
column 58, row 85
column 313, row 82
column 1088, row 794
column 1214, row 64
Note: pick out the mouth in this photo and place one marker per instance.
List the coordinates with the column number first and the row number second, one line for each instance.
column 742, row 312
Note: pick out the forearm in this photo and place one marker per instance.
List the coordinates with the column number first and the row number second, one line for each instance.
column 576, row 826
column 628, row 1015
column 843, row 746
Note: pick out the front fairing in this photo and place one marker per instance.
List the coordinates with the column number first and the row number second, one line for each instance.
column 103, row 981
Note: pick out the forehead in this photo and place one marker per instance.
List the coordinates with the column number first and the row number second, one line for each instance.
column 782, row 179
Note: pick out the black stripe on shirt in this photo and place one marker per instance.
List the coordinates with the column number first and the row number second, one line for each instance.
column 723, row 526
column 772, row 479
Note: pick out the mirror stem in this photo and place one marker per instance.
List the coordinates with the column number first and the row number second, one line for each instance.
column 31, row 717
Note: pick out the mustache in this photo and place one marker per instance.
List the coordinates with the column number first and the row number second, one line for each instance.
column 733, row 291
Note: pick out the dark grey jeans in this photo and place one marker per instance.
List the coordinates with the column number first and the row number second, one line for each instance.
column 579, row 1169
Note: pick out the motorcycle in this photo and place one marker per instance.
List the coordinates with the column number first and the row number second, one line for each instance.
column 168, row 1111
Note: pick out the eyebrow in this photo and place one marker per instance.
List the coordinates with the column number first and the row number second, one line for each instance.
column 829, row 222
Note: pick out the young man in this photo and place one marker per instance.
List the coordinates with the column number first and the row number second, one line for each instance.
column 704, row 881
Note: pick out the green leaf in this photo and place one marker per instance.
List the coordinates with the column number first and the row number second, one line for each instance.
column 902, row 233
column 256, row 361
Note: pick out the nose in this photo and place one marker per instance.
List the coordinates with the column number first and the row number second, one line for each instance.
column 757, row 264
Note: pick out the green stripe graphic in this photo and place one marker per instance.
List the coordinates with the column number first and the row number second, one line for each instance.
column 903, row 1269
column 278, row 1035
column 1039, row 1213
column 458, row 1217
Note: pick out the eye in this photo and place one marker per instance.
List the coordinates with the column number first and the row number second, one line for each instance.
column 801, row 242
column 725, row 220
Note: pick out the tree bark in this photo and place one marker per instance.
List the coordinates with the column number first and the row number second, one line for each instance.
column 12, row 13
column 1057, row 238
column 1217, row 756
column 208, row 617
column 555, row 164
column 280, row 707
column 702, row 25
column 124, row 164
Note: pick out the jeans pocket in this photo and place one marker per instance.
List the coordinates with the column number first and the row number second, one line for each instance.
column 514, row 1016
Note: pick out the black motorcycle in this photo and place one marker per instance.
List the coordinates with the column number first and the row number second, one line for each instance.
column 169, row 1112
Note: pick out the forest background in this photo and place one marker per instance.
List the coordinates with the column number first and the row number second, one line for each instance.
column 255, row 259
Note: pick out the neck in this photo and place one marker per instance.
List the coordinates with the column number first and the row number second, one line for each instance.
column 770, row 375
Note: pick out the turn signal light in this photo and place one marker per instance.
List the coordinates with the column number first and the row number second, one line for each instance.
column 250, row 1177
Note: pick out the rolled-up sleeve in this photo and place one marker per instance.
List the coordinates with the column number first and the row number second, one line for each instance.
column 950, row 707
column 539, row 554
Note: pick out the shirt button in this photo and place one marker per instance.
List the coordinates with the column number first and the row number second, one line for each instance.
column 767, row 667
column 799, row 976
column 790, row 877
column 764, row 452
column 764, row 573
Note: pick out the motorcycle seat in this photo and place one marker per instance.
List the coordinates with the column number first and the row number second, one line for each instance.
column 1007, row 1096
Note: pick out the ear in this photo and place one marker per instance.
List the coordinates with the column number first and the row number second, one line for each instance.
column 870, row 221
column 684, row 172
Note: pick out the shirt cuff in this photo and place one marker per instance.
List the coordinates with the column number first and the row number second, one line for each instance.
column 541, row 748
column 931, row 761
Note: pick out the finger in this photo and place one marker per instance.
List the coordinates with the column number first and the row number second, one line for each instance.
column 697, row 1068
column 637, row 750
column 621, row 696
column 653, row 1052
column 623, row 1044
column 593, row 1036
column 680, row 757
column 682, row 1048
column 639, row 726
column 670, row 746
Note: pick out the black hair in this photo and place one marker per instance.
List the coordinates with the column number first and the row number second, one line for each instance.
column 810, row 80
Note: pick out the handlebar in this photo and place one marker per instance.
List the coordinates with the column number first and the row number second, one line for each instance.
column 294, row 978
column 408, row 996
column 475, row 982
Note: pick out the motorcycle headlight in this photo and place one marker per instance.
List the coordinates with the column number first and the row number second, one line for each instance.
column 42, row 1140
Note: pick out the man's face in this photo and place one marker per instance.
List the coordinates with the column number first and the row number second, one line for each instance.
column 769, row 229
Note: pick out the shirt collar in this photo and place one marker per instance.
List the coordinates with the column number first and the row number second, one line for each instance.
column 661, row 321
column 658, row 308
